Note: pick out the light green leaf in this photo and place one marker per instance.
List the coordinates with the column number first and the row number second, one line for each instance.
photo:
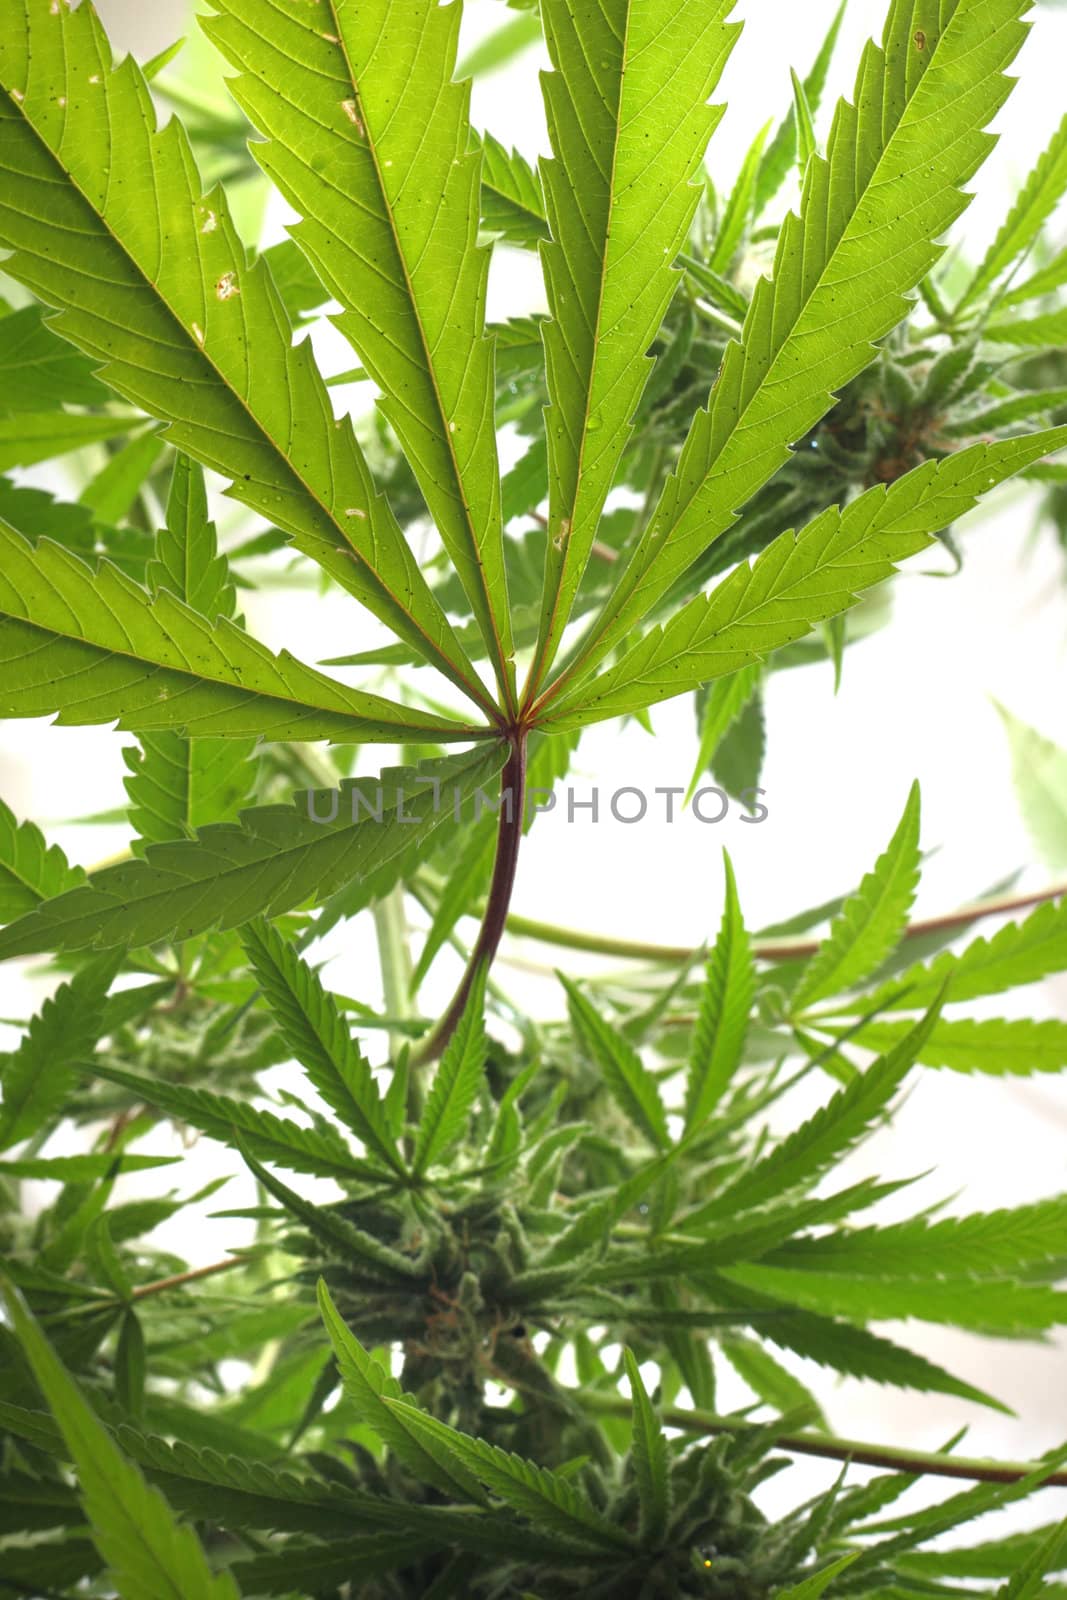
column 513, row 205
column 800, row 579
column 871, row 921
column 92, row 646
column 725, row 1003
column 768, row 1379
column 782, row 152
column 500, row 47
column 1020, row 953
column 1038, row 198
column 806, row 1153
column 806, row 141
column 317, row 1034
column 149, row 1554
column 30, row 436
column 30, row 869
column 871, row 215
column 1032, row 332
column 1040, row 769
column 456, row 1082
column 628, row 1079
column 362, row 122
column 1044, row 282
column 1002, row 1307
column 109, row 224
column 739, row 208
column 38, row 1076
column 627, row 138
column 111, row 493
column 991, row 1045
column 370, row 1390
column 724, row 703
column 984, row 1244
column 277, row 857
column 1020, row 408
column 648, row 1453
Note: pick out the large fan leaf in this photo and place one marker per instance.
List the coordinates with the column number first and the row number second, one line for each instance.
column 364, row 126
column 92, row 646
column 629, row 120
column 871, row 214
column 108, row 223
column 799, row 580
column 275, row 858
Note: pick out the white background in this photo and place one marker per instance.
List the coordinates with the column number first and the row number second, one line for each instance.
column 915, row 702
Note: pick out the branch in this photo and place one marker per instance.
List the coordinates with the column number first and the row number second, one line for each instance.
column 495, row 916
column 832, row 1448
column 766, row 949
column 180, row 1279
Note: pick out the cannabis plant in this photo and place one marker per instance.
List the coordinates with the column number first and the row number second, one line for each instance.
column 472, row 1346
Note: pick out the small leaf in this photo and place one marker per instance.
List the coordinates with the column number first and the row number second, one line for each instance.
column 648, row 1452
column 1040, row 769
column 871, row 922
column 722, row 1022
column 456, row 1082
column 317, row 1034
column 370, row 1390
column 632, row 1085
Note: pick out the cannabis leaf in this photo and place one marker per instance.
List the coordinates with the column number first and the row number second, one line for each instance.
column 725, row 1003
column 800, row 579
column 627, row 138
column 150, row 1555
column 109, row 224
column 869, row 924
column 30, row 869
column 318, row 1036
column 865, row 236
column 362, row 123
column 275, row 858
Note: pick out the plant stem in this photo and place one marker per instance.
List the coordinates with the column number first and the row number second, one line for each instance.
column 765, row 949
column 394, row 957
column 833, row 1448
column 180, row 1279
column 495, row 917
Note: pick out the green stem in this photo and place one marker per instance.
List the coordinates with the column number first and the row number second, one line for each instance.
column 394, row 956
column 765, row 949
column 833, row 1448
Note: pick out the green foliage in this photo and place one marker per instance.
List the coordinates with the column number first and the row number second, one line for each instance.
column 468, row 1345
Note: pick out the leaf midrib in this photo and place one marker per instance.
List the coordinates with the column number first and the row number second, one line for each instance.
column 500, row 659
column 544, row 653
